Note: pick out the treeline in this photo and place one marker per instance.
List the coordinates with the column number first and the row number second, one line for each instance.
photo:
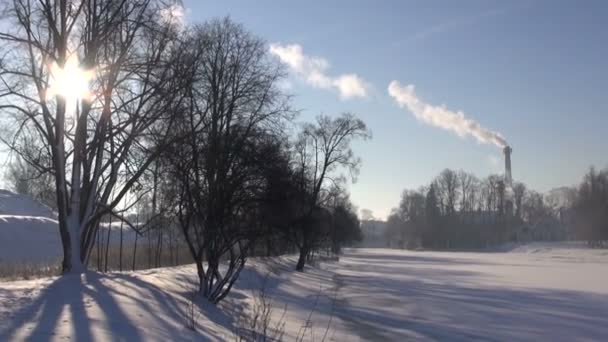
column 459, row 210
column 185, row 127
column 588, row 212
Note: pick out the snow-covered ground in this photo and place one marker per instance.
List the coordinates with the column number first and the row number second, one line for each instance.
column 29, row 239
column 515, row 296
column 28, row 230
column 22, row 205
column 548, row 292
column 153, row 305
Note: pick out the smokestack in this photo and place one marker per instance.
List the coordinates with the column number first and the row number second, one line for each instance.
column 508, row 178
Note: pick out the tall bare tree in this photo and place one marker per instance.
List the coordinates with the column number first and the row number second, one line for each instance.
column 591, row 208
column 89, row 80
column 468, row 185
column 233, row 119
column 447, row 188
column 322, row 151
column 519, row 193
column 26, row 179
column 367, row 215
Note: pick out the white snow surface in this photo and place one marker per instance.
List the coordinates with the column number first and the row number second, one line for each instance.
column 29, row 238
column 22, row 205
column 28, row 230
column 540, row 292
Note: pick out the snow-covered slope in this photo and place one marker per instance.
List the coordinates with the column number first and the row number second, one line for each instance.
column 22, row 205
column 380, row 295
column 29, row 239
column 28, row 230
column 153, row 305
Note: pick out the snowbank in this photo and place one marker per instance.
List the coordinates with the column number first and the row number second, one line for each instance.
column 22, row 205
column 29, row 239
column 28, row 230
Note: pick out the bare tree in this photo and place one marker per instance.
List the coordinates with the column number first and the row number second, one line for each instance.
column 489, row 199
column 468, row 184
column 367, row 215
column 591, row 208
column 534, row 209
column 89, row 80
column 344, row 226
column 235, row 108
column 28, row 180
column 322, row 151
column 519, row 193
column 407, row 222
column 395, row 230
column 447, row 187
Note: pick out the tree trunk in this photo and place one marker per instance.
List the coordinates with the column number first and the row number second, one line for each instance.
column 171, row 249
column 108, row 245
column 76, row 266
column 268, row 247
column 154, row 223
column 99, row 248
column 136, row 237
column 66, row 264
column 149, row 248
column 159, row 248
column 134, row 252
column 120, row 252
column 302, row 259
column 202, row 285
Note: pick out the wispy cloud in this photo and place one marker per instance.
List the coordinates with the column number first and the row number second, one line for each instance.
column 454, row 24
column 442, row 117
column 313, row 70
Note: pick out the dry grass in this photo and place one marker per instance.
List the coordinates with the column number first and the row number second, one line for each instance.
column 22, row 270
column 145, row 258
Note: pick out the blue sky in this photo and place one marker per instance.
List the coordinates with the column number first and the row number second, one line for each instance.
column 535, row 71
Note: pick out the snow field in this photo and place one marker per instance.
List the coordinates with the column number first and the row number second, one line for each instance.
column 549, row 292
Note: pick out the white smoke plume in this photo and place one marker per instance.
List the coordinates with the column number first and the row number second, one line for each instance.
column 442, row 117
column 313, row 70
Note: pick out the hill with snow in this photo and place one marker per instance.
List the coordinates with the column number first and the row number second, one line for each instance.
column 29, row 239
column 28, row 230
column 13, row 204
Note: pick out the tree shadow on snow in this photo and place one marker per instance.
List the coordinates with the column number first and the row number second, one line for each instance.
column 86, row 309
column 45, row 316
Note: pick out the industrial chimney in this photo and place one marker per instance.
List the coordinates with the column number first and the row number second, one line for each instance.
column 508, row 179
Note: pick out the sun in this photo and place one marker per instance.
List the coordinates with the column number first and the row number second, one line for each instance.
column 70, row 82
column 173, row 14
